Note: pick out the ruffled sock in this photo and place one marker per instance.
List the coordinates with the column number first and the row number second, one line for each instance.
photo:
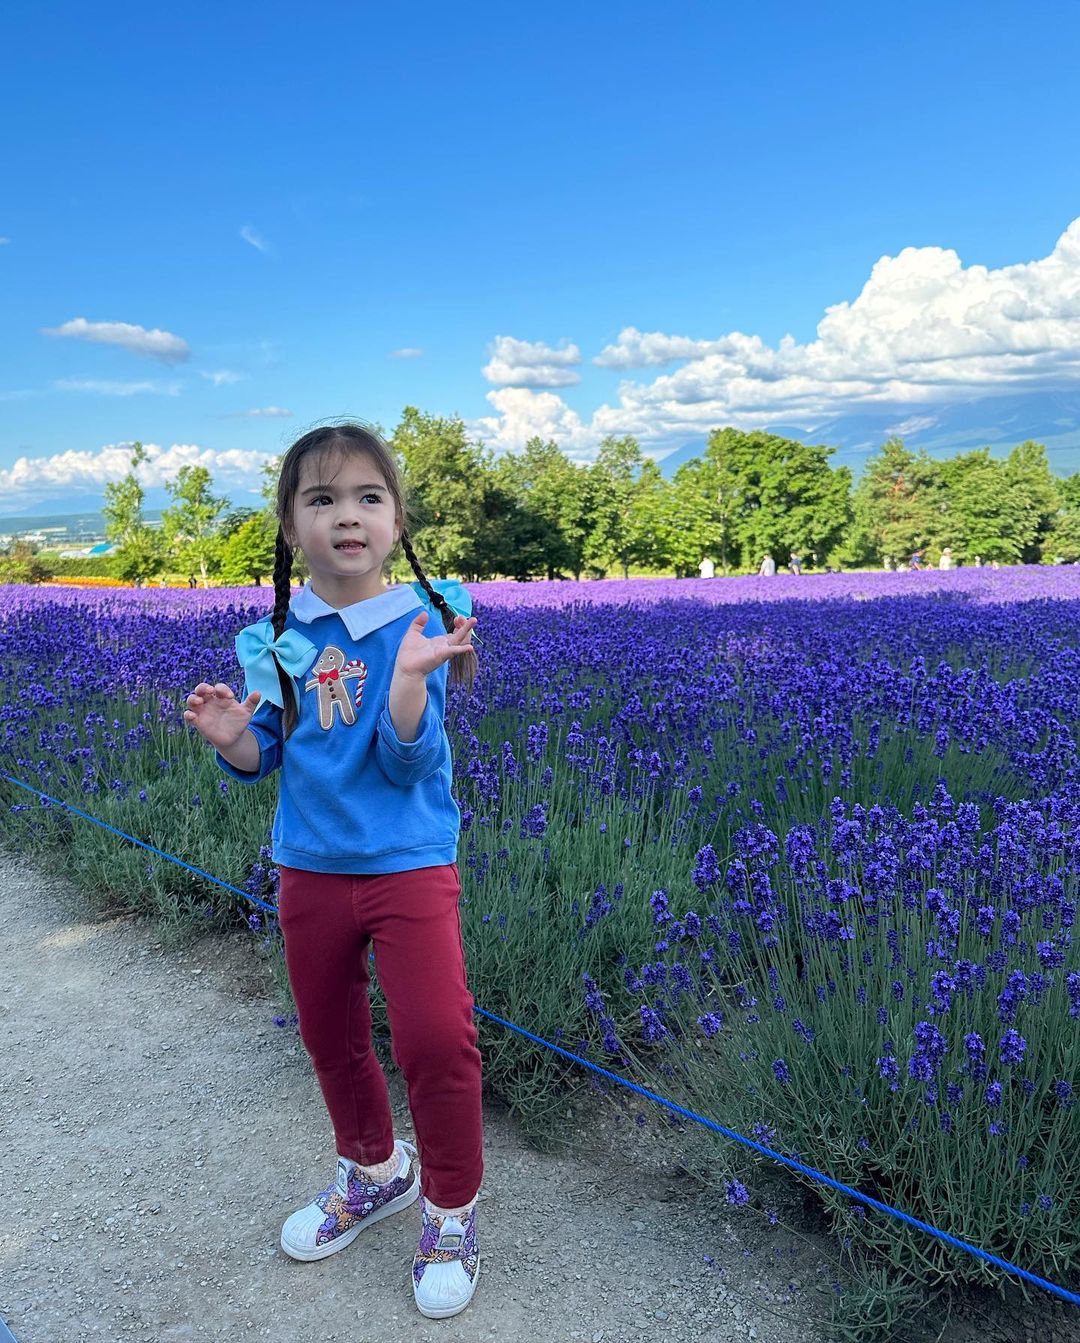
column 385, row 1170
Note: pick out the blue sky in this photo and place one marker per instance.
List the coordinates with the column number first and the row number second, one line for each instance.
column 217, row 214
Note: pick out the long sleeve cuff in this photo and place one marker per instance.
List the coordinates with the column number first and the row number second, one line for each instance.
column 408, row 762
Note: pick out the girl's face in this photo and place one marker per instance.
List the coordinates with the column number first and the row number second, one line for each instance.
column 345, row 521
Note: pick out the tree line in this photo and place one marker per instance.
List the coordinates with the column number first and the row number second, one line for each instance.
column 538, row 514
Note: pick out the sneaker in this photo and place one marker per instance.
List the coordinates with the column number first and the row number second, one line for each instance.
column 337, row 1216
column 446, row 1264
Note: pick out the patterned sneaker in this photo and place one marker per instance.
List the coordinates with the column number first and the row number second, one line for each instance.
column 346, row 1207
column 446, row 1265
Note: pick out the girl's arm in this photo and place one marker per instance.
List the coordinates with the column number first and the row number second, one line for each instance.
column 243, row 754
column 408, row 696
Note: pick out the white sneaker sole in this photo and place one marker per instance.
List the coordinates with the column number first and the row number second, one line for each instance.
column 446, row 1311
column 347, row 1237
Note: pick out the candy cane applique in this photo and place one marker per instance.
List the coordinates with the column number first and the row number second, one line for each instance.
column 331, row 673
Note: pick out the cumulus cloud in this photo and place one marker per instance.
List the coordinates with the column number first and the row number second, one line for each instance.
column 154, row 344
column 408, row 352
column 925, row 330
column 221, row 377
column 522, row 414
column 641, row 349
column 111, row 387
column 526, row 363
column 255, row 239
column 35, row 480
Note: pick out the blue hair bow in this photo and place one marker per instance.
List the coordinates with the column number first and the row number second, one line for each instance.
column 256, row 646
column 458, row 598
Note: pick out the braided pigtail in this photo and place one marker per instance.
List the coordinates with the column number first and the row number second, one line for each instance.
column 283, row 561
column 462, row 665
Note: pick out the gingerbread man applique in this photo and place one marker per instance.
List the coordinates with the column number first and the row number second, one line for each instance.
column 331, row 673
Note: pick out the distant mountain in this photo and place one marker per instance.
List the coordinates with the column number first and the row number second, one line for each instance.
column 997, row 422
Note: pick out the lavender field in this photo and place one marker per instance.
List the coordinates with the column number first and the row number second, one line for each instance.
column 800, row 854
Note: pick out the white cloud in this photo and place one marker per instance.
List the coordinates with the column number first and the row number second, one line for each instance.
column 222, row 377
column 255, row 239
column 522, row 414
column 4, row 242
column 924, row 330
column 110, row 387
column 409, row 352
column 155, row 344
column 525, row 363
column 35, row 480
column 264, row 413
column 640, row 349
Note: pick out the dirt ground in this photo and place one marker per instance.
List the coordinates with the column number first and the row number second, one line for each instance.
column 156, row 1128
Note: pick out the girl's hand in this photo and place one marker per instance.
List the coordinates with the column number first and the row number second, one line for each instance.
column 418, row 655
column 218, row 715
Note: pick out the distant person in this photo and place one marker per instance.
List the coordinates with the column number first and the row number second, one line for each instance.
column 916, row 561
column 994, row 564
column 346, row 686
column 887, row 563
column 946, row 561
column 977, row 561
column 768, row 567
column 794, row 563
column 707, row 568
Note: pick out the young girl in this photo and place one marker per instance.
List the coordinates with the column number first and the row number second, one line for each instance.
column 345, row 693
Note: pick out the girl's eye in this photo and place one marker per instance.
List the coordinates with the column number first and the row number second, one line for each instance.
column 325, row 499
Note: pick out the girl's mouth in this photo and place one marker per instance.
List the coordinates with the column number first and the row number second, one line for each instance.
column 349, row 545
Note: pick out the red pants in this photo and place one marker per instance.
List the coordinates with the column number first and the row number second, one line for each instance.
column 413, row 920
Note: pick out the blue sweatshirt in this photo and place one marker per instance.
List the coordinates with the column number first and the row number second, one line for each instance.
column 353, row 797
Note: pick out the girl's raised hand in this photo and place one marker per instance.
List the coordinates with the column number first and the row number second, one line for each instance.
column 218, row 715
column 418, row 655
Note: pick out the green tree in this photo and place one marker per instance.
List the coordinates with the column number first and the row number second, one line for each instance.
column 446, row 477
column 1029, row 479
column 139, row 549
column 985, row 516
column 692, row 522
column 191, row 525
column 898, row 506
column 247, row 552
column 775, row 494
column 1069, row 489
column 548, row 529
column 621, row 533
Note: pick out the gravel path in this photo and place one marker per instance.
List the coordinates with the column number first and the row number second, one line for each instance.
column 156, row 1128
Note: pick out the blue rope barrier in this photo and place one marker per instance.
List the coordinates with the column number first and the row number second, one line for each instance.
column 778, row 1157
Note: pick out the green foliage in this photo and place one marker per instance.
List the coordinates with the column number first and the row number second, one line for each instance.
column 140, row 551
column 247, row 555
column 192, row 524
column 536, row 513
column 1030, row 481
column 622, row 488
column 82, row 566
column 899, row 506
column 20, row 564
column 445, row 481
column 773, row 495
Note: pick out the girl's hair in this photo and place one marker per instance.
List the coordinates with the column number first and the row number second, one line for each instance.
column 348, row 437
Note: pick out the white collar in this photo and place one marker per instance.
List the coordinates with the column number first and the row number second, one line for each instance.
column 361, row 617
